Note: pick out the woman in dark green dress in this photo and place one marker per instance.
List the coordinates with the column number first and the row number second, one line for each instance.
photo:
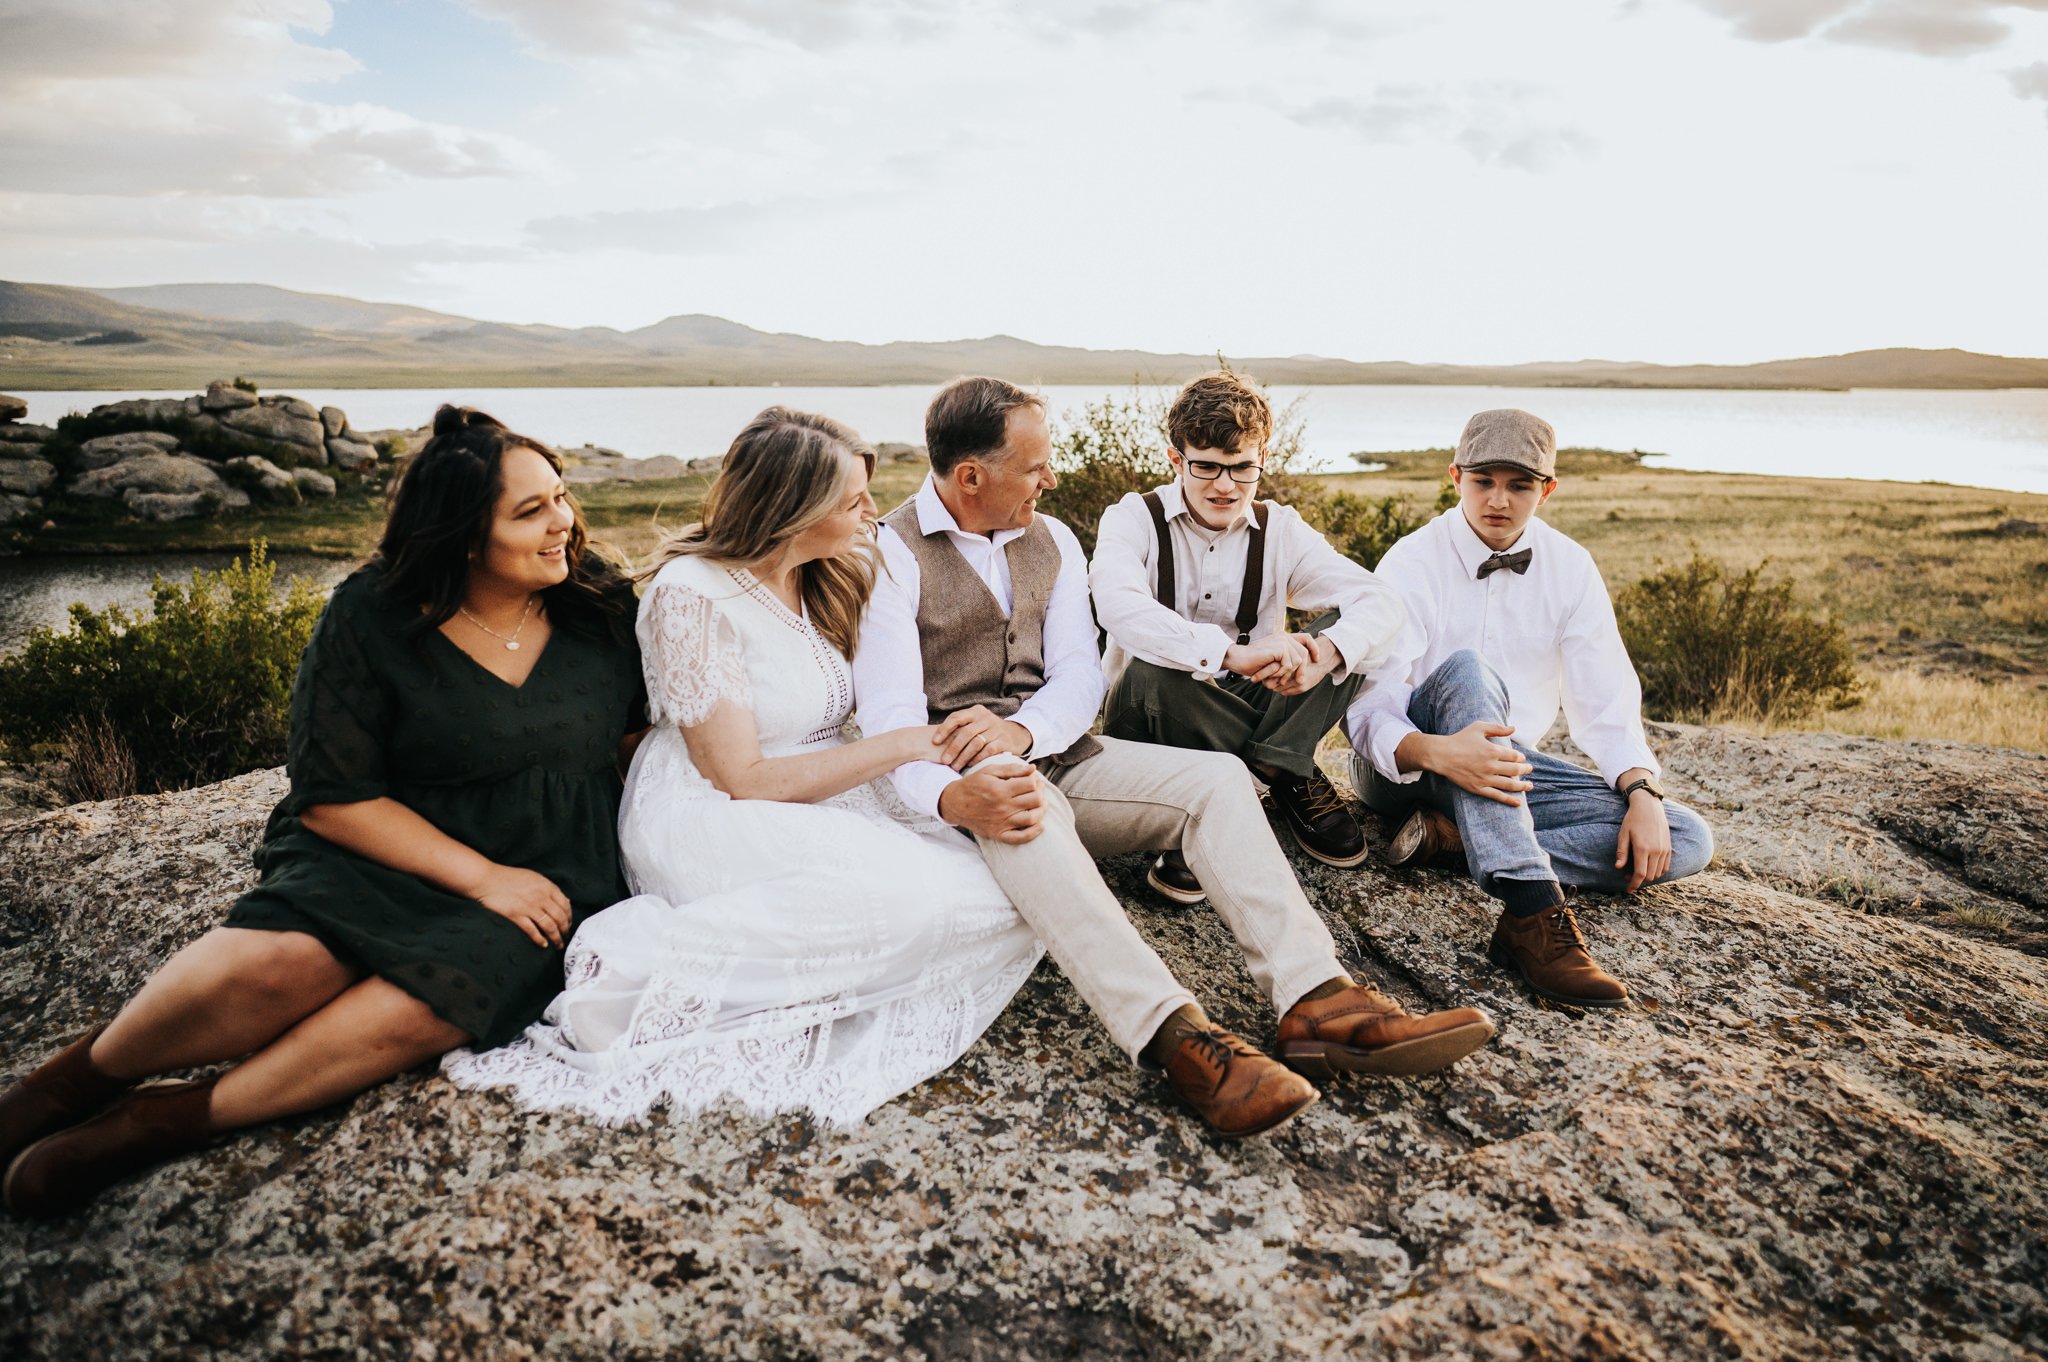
column 457, row 727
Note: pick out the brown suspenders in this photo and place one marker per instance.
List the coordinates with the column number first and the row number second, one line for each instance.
column 1254, row 566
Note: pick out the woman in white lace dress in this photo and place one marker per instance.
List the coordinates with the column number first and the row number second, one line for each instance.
column 798, row 939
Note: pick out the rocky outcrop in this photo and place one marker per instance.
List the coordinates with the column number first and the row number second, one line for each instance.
column 24, row 433
column 313, row 483
column 12, row 408
column 353, row 455
column 107, row 450
column 278, row 423
column 1817, row 1135
column 223, row 396
column 150, row 472
column 586, row 464
column 26, row 477
column 264, row 481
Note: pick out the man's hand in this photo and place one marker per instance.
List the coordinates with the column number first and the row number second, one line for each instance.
column 1004, row 805
column 1323, row 658
column 1645, row 842
column 1265, row 659
column 1472, row 761
column 968, row 735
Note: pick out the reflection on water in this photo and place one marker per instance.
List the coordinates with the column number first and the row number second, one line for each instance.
column 39, row 591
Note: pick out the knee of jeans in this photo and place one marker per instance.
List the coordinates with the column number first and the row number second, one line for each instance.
column 1692, row 842
column 1468, row 670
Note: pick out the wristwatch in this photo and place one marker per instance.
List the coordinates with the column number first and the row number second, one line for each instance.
column 1642, row 783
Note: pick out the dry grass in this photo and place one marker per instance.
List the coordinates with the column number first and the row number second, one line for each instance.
column 1943, row 594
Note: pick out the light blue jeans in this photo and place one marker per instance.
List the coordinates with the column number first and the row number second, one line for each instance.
column 1567, row 826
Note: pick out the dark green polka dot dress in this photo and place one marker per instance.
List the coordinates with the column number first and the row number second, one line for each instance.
column 524, row 775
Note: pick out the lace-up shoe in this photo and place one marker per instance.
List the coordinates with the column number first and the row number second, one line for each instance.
column 1171, row 878
column 1320, row 818
column 1234, row 1087
column 1362, row 1030
column 1426, row 838
column 1550, row 954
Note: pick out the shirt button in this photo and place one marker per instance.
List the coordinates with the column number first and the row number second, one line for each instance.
column 1206, row 595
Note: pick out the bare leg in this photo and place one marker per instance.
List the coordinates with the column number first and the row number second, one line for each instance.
column 372, row 1031
column 224, row 995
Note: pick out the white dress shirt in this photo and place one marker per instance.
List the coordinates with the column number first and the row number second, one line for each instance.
column 888, row 666
column 1301, row 570
column 1550, row 633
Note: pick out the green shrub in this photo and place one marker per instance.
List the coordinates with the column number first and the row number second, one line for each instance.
column 247, row 385
column 1713, row 644
column 197, row 691
column 1363, row 528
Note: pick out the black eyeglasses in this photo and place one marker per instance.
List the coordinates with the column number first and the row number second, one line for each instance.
column 1206, row 470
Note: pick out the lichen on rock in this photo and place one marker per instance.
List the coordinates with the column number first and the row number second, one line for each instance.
column 1819, row 1134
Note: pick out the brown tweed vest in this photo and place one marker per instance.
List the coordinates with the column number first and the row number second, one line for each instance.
column 973, row 653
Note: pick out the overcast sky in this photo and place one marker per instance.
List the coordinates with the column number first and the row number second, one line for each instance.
column 1462, row 180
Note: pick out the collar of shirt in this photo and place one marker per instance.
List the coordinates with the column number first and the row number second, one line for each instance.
column 932, row 514
column 1472, row 550
column 1174, row 503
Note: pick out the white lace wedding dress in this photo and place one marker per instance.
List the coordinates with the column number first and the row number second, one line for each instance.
column 817, row 957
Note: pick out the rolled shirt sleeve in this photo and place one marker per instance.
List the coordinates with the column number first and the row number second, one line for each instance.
column 1378, row 719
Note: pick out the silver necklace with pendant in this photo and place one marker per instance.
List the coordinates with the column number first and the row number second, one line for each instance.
column 510, row 640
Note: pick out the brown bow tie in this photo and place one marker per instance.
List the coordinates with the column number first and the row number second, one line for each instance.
column 1513, row 562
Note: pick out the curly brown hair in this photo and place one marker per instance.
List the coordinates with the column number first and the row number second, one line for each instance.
column 1221, row 410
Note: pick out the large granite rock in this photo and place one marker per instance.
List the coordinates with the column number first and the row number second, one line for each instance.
column 353, row 455
column 156, row 472
column 106, row 450
column 312, row 482
column 13, row 408
column 25, row 433
column 26, row 477
column 222, row 395
column 15, row 507
column 276, row 423
column 141, row 409
column 1820, row 1134
column 182, row 505
column 264, row 481
column 334, row 421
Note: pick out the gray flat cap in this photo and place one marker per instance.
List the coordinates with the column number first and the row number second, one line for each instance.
column 1508, row 436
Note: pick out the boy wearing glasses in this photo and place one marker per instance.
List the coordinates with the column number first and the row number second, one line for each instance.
column 1192, row 582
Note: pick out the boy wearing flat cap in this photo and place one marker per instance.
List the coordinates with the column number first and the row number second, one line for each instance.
column 1508, row 619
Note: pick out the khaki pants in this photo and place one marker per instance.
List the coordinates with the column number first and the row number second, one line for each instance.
column 1140, row 797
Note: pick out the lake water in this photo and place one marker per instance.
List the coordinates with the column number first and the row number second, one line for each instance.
column 1984, row 439
column 1987, row 439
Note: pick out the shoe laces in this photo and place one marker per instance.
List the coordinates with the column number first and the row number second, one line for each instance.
column 1565, row 934
column 1219, row 1046
column 1319, row 798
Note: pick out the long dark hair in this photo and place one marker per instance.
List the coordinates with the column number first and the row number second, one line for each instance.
column 440, row 516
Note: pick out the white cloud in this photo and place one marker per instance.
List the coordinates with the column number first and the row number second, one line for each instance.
column 1493, row 123
column 1935, row 28
column 50, row 40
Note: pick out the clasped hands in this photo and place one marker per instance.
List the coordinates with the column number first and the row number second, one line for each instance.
column 1286, row 664
column 1004, row 803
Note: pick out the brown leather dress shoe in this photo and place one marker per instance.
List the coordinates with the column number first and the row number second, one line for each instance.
column 1361, row 1030
column 1170, row 878
column 64, row 1090
column 1320, row 819
column 1547, row 950
column 1237, row 1089
column 60, row 1173
column 1426, row 838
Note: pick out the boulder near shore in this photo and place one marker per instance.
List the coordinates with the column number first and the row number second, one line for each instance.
column 170, row 458
column 1821, row 1132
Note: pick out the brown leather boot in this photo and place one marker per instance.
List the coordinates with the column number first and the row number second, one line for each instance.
column 1233, row 1086
column 60, row 1173
column 63, row 1091
column 1361, row 1030
column 1427, row 838
column 1547, row 950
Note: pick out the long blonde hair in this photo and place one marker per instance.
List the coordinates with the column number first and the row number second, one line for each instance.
column 781, row 476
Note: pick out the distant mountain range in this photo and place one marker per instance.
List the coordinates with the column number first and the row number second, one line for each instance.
column 182, row 335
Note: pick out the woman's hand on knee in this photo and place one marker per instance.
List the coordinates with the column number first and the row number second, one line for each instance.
column 530, row 901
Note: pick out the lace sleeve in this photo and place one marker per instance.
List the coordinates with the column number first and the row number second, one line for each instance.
column 691, row 656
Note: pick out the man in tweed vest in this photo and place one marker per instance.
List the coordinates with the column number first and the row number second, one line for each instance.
column 983, row 611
